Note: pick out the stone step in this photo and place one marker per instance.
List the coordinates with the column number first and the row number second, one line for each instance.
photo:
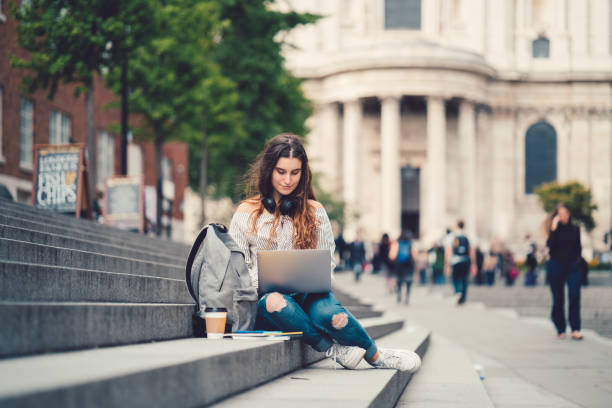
column 25, row 252
column 134, row 241
column 186, row 372
column 40, row 215
column 41, row 327
column 327, row 384
column 29, row 282
column 362, row 311
column 56, row 240
column 446, row 379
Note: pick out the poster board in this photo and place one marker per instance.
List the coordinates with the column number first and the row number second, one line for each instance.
column 60, row 179
column 124, row 203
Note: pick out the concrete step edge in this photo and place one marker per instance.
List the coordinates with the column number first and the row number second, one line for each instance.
column 326, row 384
column 21, row 251
column 42, row 327
column 187, row 372
column 59, row 219
column 50, row 239
column 39, row 223
column 33, row 282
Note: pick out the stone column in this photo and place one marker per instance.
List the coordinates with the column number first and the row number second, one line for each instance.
column 503, row 190
column 350, row 176
column 467, row 143
column 390, row 166
column 329, row 147
column 436, row 167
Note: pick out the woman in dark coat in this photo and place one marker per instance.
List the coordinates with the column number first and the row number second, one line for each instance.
column 563, row 267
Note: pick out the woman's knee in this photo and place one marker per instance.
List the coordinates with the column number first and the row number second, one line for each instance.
column 330, row 315
column 272, row 302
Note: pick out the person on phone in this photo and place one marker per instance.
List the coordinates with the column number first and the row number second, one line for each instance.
column 282, row 213
column 563, row 267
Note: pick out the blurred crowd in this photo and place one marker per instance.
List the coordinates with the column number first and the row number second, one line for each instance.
column 491, row 264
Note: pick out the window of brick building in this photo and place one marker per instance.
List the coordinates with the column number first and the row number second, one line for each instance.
column 106, row 158
column 403, row 14
column 2, row 15
column 59, row 127
column 26, row 133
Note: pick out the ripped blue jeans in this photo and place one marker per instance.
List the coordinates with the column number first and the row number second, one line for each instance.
column 319, row 316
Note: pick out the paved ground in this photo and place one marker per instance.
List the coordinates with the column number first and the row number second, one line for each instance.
column 525, row 365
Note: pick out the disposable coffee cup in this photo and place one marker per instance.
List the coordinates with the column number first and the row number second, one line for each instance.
column 215, row 322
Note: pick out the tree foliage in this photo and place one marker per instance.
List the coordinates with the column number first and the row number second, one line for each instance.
column 174, row 84
column 69, row 41
column 176, row 88
column 270, row 97
column 335, row 208
column 574, row 195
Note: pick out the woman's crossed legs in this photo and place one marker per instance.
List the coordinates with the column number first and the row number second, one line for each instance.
column 324, row 320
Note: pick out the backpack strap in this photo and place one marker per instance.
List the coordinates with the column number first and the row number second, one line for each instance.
column 194, row 251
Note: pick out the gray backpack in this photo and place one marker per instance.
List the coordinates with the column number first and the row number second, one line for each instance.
column 217, row 276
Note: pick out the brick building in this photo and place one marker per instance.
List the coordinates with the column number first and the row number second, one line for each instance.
column 28, row 120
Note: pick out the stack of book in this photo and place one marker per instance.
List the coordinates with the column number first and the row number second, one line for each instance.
column 263, row 335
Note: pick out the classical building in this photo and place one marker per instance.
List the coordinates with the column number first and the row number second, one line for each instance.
column 427, row 111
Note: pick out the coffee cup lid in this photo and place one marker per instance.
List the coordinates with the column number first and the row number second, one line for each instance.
column 215, row 309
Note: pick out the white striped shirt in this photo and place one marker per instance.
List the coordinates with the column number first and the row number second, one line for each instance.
column 250, row 242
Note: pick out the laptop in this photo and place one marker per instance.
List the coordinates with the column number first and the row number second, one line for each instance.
column 299, row 270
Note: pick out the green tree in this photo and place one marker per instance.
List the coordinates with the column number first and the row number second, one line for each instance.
column 574, row 195
column 176, row 89
column 270, row 97
column 70, row 41
column 335, row 208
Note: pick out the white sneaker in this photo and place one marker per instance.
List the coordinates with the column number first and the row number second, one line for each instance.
column 347, row 356
column 403, row 360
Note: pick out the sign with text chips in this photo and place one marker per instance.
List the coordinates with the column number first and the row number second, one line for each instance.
column 60, row 178
column 124, row 199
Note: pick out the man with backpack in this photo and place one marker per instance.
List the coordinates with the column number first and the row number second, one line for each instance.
column 459, row 257
column 403, row 254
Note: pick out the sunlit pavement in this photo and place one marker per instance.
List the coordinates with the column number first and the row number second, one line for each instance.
column 524, row 363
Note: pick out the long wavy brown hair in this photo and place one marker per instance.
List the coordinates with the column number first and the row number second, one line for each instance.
column 259, row 185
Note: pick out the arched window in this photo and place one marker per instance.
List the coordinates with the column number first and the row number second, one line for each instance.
column 403, row 14
column 540, row 155
column 540, row 48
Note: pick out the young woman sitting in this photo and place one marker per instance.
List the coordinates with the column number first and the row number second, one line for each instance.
column 282, row 214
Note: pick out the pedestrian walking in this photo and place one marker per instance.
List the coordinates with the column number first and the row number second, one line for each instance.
column 421, row 264
column 510, row 268
column 531, row 260
column 281, row 214
column 479, row 280
column 460, row 261
column 490, row 268
column 436, row 258
column 385, row 262
column 563, row 267
column 358, row 255
column 402, row 252
column 341, row 250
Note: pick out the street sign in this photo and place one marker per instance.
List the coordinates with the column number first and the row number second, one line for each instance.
column 60, row 179
column 124, row 203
